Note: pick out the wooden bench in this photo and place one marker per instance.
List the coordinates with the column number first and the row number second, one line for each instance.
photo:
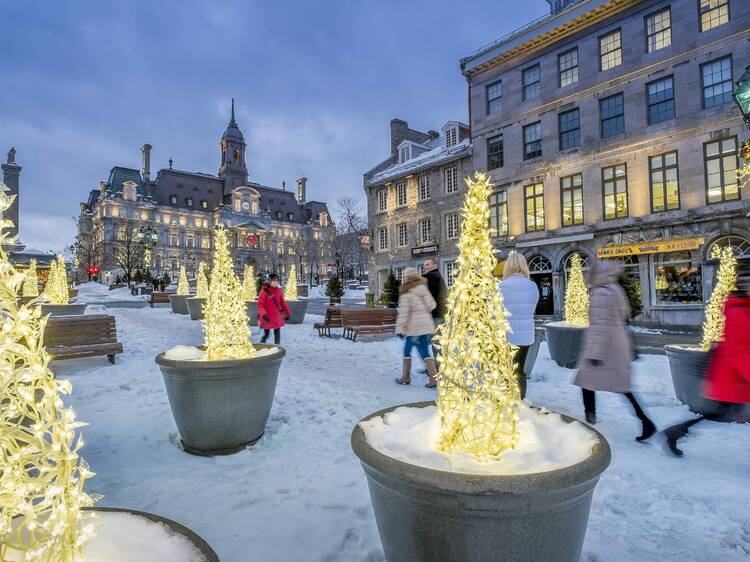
column 332, row 320
column 70, row 337
column 359, row 321
column 158, row 298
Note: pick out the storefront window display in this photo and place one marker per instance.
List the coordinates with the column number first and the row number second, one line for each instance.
column 677, row 279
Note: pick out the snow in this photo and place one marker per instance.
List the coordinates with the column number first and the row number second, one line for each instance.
column 193, row 353
column 546, row 442
column 93, row 292
column 319, row 292
column 301, row 494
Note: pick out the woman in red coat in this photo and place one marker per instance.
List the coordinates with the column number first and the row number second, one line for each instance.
column 273, row 311
column 728, row 377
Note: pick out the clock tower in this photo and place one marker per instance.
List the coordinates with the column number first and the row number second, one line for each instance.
column 233, row 169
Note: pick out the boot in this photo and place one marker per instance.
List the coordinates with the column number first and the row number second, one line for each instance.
column 648, row 426
column 591, row 418
column 406, row 376
column 431, row 372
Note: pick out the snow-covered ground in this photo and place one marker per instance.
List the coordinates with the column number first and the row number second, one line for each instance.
column 319, row 292
column 93, row 292
column 300, row 493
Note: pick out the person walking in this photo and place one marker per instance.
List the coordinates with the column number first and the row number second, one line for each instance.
column 520, row 297
column 439, row 291
column 273, row 310
column 604, row 361
column 414, row 323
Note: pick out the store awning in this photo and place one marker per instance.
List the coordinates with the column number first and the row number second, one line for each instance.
column 653, row 247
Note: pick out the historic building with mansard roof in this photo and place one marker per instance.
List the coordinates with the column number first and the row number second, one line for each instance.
column 271, row 228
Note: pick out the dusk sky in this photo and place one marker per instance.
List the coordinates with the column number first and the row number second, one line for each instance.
column 87, row 83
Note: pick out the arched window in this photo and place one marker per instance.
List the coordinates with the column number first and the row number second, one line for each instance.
column 237, row 155
column 584, row 261
column 740, row 247
column 539, row 264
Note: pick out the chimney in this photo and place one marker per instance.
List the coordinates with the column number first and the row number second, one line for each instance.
column 399, row 130
column 146, row 163
column 433, row 134
column 302, row 190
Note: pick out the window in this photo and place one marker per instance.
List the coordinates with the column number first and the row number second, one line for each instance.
column 530, row 78
column 401, row 194
column 403, row 235
column 665, row 186
column 610, row 50
column 658, row 30
column 612, row 112
column 499, row 213
column 494, row 97
column 382, row 238
column 571, row 194
column 717, row 82
column 713, row 13
column 404, row 153
column 615, row 190
column 451, row 180
column 323, row 219
column 173, row 199
column 424, row 187
column 398, row 273
column 534, row 199
column 189, row 201
column 204, row 204
column 190, row 241
column 532, row 140
column 451, row 226
column 570, row 129
column 660, row 100
column 425, row 231
column 174, row 239
column 677, row 279
column 495, row 152
column 721, row 170
column 451, row 137
column 205, row 242
column 567, row 64
column 450, row 268
column 382, row 200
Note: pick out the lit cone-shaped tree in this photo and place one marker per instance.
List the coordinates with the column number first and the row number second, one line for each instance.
column 576, row 294
column 41, row 475
column 713, row 326
column 478, row 396
column 30, row 282
column 201, row 283
column 57, row 282
column 51, row 280
column 227, row 333
column 290, row 289
column 182, row 283
column 249, row 290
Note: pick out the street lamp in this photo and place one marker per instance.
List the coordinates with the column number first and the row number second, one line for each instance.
column 741, row 95
column 147, row 236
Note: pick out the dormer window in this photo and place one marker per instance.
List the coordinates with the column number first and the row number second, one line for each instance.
column 278, row 215
column 189, row 201
column 204, row 204
column 129, row 192
column 323, row 219
column 404, row 154
column 290, row 216
column 451, row 137
column 173, row 199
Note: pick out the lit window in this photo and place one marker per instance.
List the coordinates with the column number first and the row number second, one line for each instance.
column 382, row 200
column 570, row 129
column 499, row 213
column 567, row 64
column 721, row 170
column 382, row 238
column 530, row 78
column 451, row 180
column 660, row 100
column 713, row 13
column 571, row 193
column 658, row 30
column 451, row 226
column 494, row 97
column 534, row 199
column 610, row 50
column 401, row 194
column 532, row 141
column 424, row 187
column 425, row 231
column 450, row 269
column 677, row 279
column 495, row 152
column 204, row 203
column 189, row 201
column 403, row 235
column 665, row 188
column 173, row 199
column 612, row 113
column 717, row 82
column 615, row 191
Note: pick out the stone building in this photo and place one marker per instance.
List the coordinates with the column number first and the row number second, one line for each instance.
column 609, row 129
column 414, row 200
column 271, row 228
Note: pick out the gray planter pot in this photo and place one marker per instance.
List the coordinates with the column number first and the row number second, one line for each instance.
column 201, row 545
column 221, row 407
column 195, row 307
column 564, row 342
column 63, row 309
column 298, row 309
column 252, row 312
column 429, row 515
column 179, row 306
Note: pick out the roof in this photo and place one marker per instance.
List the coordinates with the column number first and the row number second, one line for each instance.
column 119, row 175
column 428, row 159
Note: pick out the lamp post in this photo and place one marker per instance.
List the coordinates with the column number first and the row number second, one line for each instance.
column 741, row 95
column 147, row 236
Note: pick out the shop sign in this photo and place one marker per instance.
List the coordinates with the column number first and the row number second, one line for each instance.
column 655, row 247
column 424, row 250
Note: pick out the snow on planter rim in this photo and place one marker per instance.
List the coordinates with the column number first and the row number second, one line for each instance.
column 547, row 442
column 194, row 353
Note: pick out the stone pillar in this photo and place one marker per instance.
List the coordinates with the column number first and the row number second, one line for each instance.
column 11, row 173
column 302, row 190
column 146, row 163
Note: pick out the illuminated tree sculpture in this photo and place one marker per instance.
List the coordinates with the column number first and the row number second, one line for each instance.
column 201, row 283
column 30, row 282
column 182, row 284
column 576, row 294
column 478, row 395
column 227, row 332
column 249, row 290
column 290, row 289
column 713, row 326
column 57, row 282
column 41, row 475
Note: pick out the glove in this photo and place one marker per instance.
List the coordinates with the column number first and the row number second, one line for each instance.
column 266, row 319
column 402, row 336
column 596, row 362
column 286, row 318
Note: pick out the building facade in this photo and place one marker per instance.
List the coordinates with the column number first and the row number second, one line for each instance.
column 270, row 228
column 608, row 128
column 414, row 199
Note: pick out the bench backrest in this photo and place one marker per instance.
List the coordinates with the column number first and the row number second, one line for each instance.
column 158, row 297
column 333, row 316
column 368, row 316
column 80, row 330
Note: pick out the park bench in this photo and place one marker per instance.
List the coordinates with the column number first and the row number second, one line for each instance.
column 332, row 320
column 158, row 298
column 71, row 337
column 367, row 321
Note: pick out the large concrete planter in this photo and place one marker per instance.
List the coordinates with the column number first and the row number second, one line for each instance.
column 564, row 342
column 426, row 515
column 221, row 407
column 195, row 307
column 179, row 304
column 298, row 309
column 63, row 309
column 252, row 312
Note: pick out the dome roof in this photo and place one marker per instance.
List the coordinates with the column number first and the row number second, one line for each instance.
column 233, row 132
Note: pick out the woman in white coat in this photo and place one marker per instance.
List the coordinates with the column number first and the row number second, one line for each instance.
column 520, row 296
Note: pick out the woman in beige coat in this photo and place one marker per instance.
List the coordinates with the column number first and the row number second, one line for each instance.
column 604, row 362
column 414, row 323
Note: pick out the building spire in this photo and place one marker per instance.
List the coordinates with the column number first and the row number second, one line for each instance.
column 232, row 122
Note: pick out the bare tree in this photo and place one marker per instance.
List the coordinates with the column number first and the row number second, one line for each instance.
column 125, row 250
column 350, row 217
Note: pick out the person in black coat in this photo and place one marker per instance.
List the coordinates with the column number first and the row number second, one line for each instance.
column 439, row 291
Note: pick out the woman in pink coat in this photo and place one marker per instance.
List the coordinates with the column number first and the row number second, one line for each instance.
column 273, row 310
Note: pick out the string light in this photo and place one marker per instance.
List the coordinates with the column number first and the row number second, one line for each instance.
column 290, row 289
column 478, row 395
column 201, row 284
column 182, row 284
column 576, row 294
column 726, row 278
column 227, row 333
column 249, row 290
column 30, row 282
column 147, row 256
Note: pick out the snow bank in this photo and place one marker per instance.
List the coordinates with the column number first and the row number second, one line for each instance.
column 546, row 442
column 97, row 293
column 193, row 353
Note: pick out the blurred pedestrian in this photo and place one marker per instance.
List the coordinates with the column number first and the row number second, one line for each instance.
column 273, row 310
column 439, row 291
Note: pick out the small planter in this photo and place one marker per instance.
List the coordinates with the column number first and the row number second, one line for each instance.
column 63, row 309
column 252, row 312
column 195, row 307
column 298, row 309
column 334, row 300
column 179, row 306
column 428, row 515
column 221, row 407
column 564, row 342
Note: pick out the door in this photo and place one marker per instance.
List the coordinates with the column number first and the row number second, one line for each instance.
column 546, row 304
